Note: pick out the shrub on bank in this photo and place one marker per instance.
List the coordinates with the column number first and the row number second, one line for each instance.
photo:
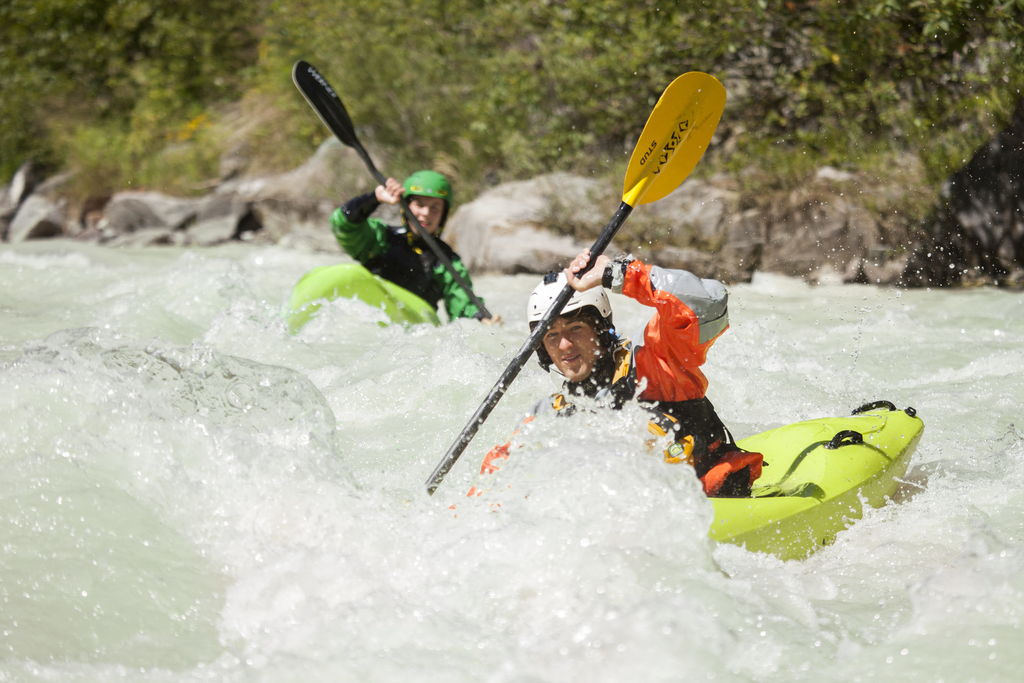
column 156, row 93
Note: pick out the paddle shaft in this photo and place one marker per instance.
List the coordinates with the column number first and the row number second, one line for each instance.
column 328, row 106
column 523, row 355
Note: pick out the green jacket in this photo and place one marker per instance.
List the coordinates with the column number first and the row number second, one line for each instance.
column 397, row 255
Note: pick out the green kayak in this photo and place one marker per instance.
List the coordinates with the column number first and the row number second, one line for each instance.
column 351, row 280
column 817, row 477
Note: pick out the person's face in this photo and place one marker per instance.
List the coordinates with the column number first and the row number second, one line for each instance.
column 573, row 346
column 428, row 211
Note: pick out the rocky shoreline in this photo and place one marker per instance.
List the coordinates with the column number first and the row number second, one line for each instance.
column 838, row 227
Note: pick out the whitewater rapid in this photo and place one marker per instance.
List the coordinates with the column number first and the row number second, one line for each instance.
column 189, row 493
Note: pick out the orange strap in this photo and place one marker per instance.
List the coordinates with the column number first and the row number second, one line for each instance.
column 730, row 464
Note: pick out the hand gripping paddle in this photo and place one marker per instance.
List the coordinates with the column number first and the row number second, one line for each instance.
column 674, row 139
column 327, row 105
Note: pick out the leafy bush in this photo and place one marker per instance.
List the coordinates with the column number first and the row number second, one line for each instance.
column 135, row 71
column 488, row 90
column 508, row 89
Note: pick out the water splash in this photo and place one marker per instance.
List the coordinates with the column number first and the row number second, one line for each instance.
column 191, row 493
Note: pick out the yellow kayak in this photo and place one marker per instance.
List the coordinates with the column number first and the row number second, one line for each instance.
column 817, row 475
column 351, row 280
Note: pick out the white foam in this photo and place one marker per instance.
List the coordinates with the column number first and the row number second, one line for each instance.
column 254, row 505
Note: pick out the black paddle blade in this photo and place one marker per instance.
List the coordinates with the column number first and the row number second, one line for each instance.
column 325, row 102
column 327, row 105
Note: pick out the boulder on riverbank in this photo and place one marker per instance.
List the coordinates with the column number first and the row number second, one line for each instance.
column 291, row 209
column 825, row 231
column 36, row 218
column 509, row 228
column 13, row 195
column 817, row 232
column 836, row 227
column 976, row 234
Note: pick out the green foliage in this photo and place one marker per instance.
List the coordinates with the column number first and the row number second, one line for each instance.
column 487, row 90
column 136, row 69
column 511, row 88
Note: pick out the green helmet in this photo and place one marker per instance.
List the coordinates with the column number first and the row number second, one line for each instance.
column 430, row 184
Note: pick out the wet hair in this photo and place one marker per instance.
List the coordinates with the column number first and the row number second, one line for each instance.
column 606, row 335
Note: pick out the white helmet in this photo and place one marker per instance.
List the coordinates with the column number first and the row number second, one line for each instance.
column 544, row 295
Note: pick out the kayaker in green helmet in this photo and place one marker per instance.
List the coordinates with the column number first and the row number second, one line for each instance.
column 396, row 253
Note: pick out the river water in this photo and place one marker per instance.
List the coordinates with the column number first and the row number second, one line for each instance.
column 191, row 494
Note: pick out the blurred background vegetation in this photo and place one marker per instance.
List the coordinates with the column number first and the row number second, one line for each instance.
column 155, row 94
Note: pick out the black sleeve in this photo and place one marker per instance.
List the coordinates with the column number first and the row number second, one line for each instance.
column 358, row 209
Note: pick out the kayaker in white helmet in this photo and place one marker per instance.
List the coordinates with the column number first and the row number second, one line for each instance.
column 584, row 347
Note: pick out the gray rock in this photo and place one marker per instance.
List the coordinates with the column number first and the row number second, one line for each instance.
column 147, row 237
column 24, row 182
column 130, row 211
column 334, row 173
column 205, row 220
column 221, row 218
column 300, row 201
column 816, row 233
column 54, row 187
column 682, row 258
column 37, row 217
column 506, row 229
column 11, row 196
column 881, row 269
column 212, row 231
column 6, row 211
column 311, row 238
column 173, row 212
column 695, row 208
column 295, row 227
column 219, row 206
column 977, row 232
column 746, row 234
column 89, row 215
column 125, row 215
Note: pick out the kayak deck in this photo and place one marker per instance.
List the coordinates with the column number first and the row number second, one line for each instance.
column 818, row 475
column 351, row 280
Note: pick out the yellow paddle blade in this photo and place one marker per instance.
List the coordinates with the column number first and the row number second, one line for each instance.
column 675, row 137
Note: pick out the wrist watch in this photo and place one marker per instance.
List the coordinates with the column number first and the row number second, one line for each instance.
column 615, row 273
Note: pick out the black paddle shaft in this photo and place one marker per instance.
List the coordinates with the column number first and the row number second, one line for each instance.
column 326, row 103
column 523, row 355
